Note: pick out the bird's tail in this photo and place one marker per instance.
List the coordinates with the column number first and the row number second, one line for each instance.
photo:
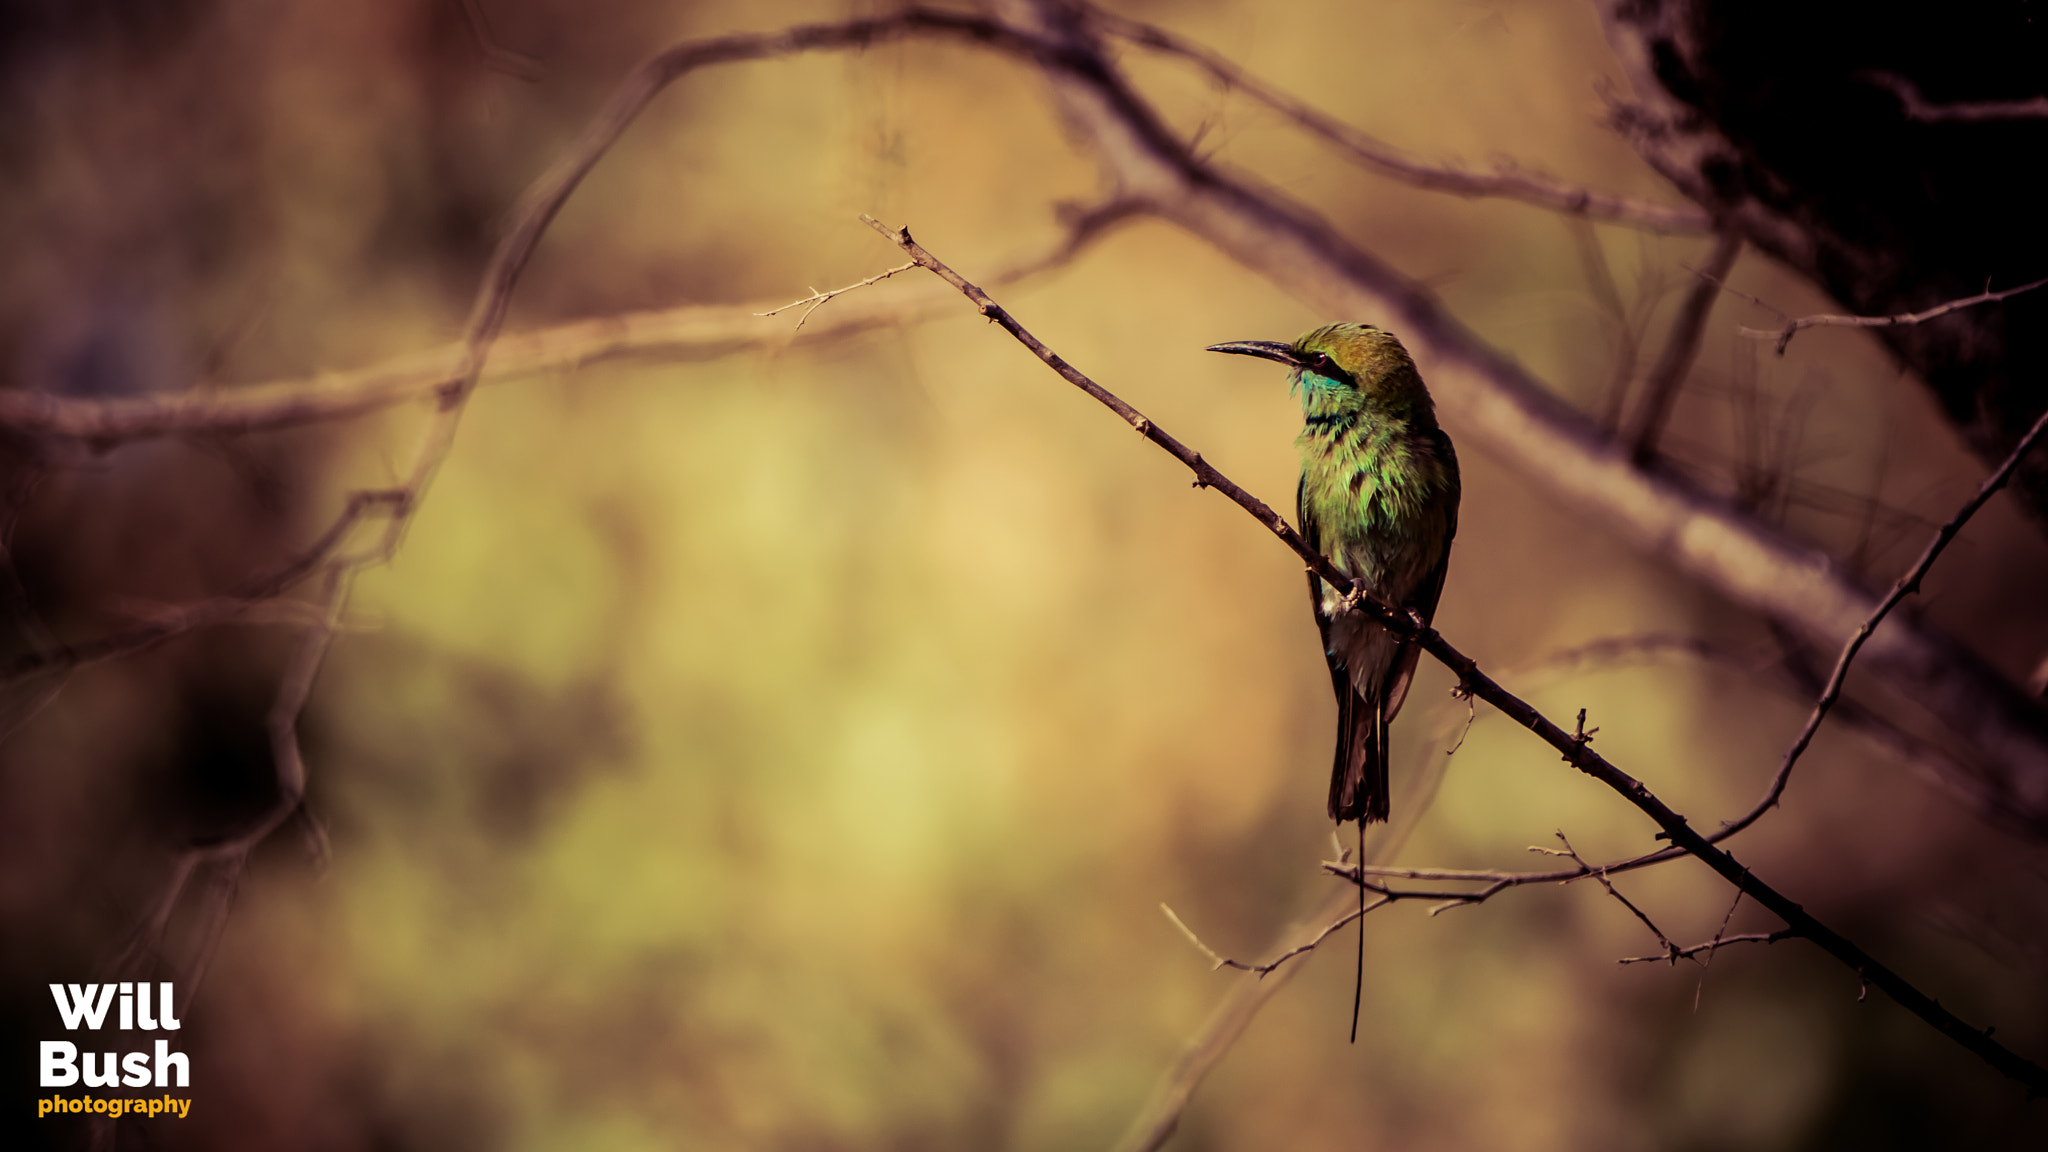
column 1358, row 777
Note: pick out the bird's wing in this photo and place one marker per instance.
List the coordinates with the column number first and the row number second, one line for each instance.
column 1361, row 733
column 1428, row 592
column 1340, row 673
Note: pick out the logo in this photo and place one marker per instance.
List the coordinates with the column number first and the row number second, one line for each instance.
column 65, row 1064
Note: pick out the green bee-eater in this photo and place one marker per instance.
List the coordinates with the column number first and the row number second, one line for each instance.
column 1379, row 497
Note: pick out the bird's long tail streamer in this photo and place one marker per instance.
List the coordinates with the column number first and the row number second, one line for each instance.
column 1358, row 981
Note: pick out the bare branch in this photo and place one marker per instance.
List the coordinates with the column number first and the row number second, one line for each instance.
column 1369, row 152
column 1269, row 967
column 1966, row 112
column 688, row 332
column 1795, row 324
column 1710, row 947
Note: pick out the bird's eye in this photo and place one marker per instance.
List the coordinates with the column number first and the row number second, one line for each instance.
column 1322, row 363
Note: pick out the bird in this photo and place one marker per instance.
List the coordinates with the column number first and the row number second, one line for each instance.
column 1379, row 498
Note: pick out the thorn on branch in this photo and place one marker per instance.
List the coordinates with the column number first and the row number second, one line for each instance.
column 1582, row 735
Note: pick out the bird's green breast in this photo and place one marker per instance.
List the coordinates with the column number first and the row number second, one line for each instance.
column 1383, row 495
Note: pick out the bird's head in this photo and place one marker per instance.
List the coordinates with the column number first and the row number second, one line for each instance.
column 1346, row 367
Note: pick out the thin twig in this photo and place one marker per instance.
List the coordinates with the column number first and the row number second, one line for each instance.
column 1720, row 936
column 1795, row 324
column 1676, row 954
column 1302, row 949
column 1578, row 752
column 1155, row 1121
column 817, row 299
column 1215, row 961
column 1506, row 182
column 1600, row 874
column 1343, row 870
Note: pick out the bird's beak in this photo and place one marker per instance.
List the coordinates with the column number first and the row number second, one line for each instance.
column 1264, row 349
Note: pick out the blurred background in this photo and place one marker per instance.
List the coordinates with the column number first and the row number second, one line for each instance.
column 791, row 749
